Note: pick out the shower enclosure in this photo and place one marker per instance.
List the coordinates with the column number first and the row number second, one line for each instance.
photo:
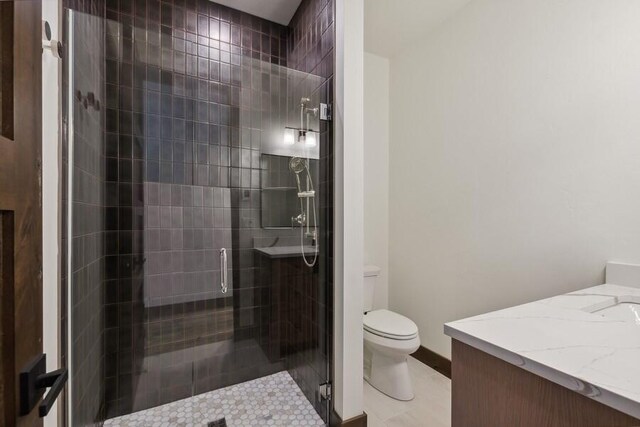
column 197, row 232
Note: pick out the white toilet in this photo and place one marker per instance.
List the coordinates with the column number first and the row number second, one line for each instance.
column 388, row 339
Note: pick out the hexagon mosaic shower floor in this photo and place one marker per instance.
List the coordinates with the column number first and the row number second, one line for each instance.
column 275, row 400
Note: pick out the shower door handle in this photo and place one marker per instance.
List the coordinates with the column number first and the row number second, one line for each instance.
column 223, row 270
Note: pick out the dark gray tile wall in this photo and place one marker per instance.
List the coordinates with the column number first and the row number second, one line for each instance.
column 174, row 305
column 185, row 229
column 189, row 88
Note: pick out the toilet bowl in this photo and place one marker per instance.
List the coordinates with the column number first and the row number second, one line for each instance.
column 389, row 338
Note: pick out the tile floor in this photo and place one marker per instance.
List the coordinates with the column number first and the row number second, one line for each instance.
column 431, row 406
column 275, row 400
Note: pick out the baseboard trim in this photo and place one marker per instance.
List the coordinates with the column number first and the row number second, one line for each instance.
column 433, row 360
column 359, row 421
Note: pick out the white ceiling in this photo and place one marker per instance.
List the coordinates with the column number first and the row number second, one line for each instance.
column 280, row 11
column 391, row 24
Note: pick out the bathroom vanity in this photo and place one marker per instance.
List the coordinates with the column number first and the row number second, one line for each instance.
column 569, row 360
column 289, row 323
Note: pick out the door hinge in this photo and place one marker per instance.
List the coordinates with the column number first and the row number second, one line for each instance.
column 325, row 391
column 325, row 111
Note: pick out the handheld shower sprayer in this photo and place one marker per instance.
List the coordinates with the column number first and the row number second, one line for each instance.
column 297, row 165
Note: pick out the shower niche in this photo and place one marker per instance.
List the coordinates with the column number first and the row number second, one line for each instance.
column 279, row 195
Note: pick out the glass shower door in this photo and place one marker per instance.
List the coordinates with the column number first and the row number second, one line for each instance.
column 170, row 133
column 150, row 248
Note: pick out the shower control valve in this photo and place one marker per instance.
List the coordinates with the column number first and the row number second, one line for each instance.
column 300, row 219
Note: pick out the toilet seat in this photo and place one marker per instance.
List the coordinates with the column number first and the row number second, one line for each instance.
column 387, row 324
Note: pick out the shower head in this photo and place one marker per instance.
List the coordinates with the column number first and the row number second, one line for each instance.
column 297, row 165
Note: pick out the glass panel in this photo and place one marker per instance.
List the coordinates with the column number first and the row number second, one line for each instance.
column 173, row 156
column 87, row 270
column 6, row 69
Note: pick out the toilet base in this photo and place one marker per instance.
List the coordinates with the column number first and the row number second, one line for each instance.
column 388, row 373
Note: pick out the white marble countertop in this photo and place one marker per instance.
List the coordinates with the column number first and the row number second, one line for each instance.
column 285, row 251
column 560, row 340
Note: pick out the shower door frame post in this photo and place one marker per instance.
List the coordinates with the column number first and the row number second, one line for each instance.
column 348, row 208
column 69, row 208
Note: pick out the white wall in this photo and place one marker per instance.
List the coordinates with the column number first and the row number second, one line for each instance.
column 515, row 157
column 376, row 171
column 50, row 199
column 348, row 205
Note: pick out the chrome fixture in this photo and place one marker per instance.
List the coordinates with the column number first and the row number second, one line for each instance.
column 298, row 165
column 223, row 270
column 324, row 390
column 303, row 134
column 325, row 112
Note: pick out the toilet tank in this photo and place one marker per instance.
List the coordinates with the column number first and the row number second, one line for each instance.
column 371, row 273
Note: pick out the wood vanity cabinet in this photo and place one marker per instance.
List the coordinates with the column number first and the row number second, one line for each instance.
column 290, row 322
column 489, row 392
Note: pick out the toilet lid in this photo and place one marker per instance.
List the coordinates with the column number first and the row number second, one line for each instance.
column 388, row 324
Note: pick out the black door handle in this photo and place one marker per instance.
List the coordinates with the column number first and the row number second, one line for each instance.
column 34, row 380
column 56, row 380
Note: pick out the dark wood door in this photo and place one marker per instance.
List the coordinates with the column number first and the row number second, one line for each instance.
column 20, row 200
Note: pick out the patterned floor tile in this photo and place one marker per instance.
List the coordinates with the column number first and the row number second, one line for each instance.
column 274, row 400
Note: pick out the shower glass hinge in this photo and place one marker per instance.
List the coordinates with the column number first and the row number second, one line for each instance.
column 325, row 111
column 325, row 391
